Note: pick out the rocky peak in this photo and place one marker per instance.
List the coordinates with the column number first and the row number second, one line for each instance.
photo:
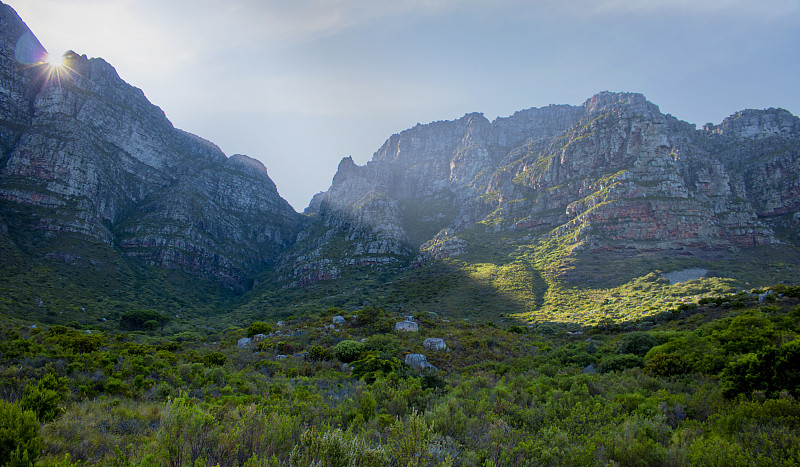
column 90, row 157
column 535, row 123
column 751, row 123
column 628, row 102
column 252, row 167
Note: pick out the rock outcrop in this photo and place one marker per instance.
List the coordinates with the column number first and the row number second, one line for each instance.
column 613, row 174
column 87, row 159
column 419, row 362
column 434, row 343
column 85, row 154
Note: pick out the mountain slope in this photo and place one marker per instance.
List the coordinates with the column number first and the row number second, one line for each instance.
column 557, row 208
column 85, row 155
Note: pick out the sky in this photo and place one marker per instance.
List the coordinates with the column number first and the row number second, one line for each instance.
column 299, row 84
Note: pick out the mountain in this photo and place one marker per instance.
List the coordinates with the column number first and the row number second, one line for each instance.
column 611, row 175
column 86, row 158
column 523, row 214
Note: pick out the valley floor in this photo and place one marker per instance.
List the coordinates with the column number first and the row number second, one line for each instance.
column 713, row 382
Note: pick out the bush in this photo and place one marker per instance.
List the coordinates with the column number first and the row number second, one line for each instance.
column 669, row 364
column 636, row 343
column 42, row 399
column 620, row 363
column 334, row 448
column 137, row 320
column 787, row 290
column 348, row 351
column 772, row 370
column 386, row 344
column 19, row 435
column 187, row 336
column 367, row 316
column 319, row 353
column 373, row 364
column 215, row 358
column 258, row 327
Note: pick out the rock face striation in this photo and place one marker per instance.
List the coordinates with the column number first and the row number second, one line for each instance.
column 86, row 155
column 85, row 159
column 613, row 174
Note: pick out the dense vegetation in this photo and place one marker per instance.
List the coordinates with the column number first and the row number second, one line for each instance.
column 710, row 382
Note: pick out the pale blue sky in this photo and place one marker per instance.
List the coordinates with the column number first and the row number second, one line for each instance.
column 300, row 84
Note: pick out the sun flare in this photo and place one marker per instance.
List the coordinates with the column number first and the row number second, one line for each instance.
column 54, row 60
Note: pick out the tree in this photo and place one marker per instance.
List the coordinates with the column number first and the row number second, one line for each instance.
column 137, row 320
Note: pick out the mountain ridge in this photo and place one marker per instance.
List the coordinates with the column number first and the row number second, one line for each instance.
column 614, row 172
column 115, row 169
column 92, row 169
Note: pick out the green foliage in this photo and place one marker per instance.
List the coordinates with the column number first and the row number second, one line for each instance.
column 747, row 332
column 319, row 353
column 636, row 343
column 336, row 449
column 669, row 364
column 368, row 316
column 529, row 400
column 189, row 433
column 142, row 319
column 410, row 440
column 792, row 291
column 215, row 358
column 258, row 327
column 19, row 436
column 771, row 370
column 386, row 344
column 620, row 362
column 348, row 351
column 43, row 399
column 374, row 365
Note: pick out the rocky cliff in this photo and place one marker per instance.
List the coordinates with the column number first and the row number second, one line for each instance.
column 86, row 154
column 87, row 159
column 613, row 174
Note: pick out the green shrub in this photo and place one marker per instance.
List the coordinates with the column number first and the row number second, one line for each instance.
column 771, row 370
column 348, row 351
column 409, row 441
column 258, row 327
column 19, row 435
column 81, row 343
column 215, row 358
column 636, row 343
column 136, row 320
column 386, row 344
column 670, row 364
column 367, row 316
column 42, row 399
column 747, row 332
column 187, row 336
column 336, row 448
column 373, row 364
column 787, row 290
column 620, row 362
column 319, row 353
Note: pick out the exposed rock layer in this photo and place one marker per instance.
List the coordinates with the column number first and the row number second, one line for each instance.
column 86, row 156
column 113, row 169
column 611, row 174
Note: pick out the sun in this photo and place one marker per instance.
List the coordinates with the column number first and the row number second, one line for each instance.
column 54, row 60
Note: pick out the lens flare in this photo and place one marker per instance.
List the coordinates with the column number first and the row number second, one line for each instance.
column 54, row 60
